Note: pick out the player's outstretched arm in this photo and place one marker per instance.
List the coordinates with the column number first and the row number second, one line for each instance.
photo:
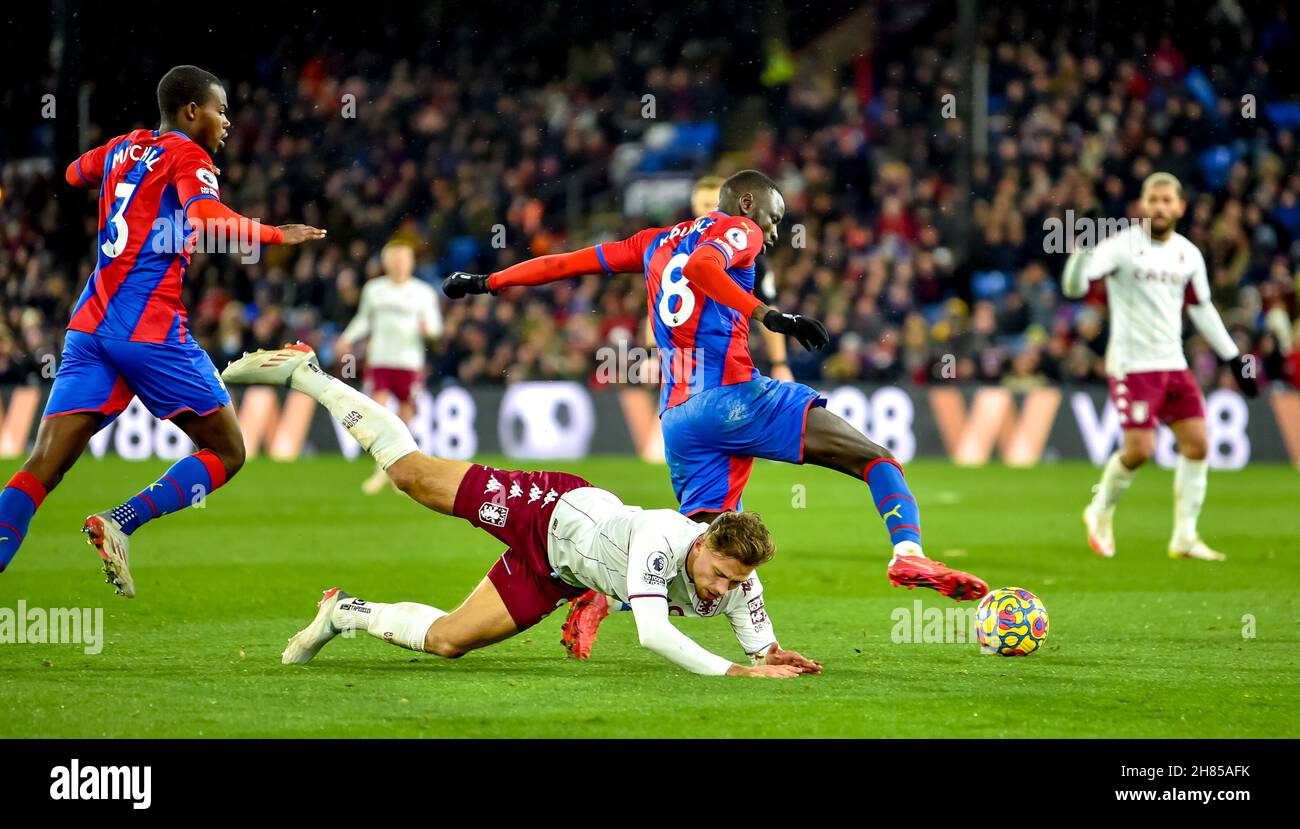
column 658, row 634
column 213, row 216
column 295, row 234
column 537, row 271
column 707, row 268
column 623, row 256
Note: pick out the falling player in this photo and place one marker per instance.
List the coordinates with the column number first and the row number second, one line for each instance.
column 128, row 335
column 718, row 413
column 1149, row 275
column 586, row 612
column 564, row 537
column 397, row 314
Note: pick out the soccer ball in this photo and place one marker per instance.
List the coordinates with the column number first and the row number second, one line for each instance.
column 1011, row 621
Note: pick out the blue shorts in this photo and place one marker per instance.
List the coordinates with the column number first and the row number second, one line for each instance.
column 711, row 440
column 98, row 374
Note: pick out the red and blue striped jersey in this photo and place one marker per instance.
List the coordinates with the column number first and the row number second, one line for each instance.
column 146, row 181
column 702, row 343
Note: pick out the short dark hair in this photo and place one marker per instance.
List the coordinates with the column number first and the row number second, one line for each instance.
column 183, row 85
column 745, row 181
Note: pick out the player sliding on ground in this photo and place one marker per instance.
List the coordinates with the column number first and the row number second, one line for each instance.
column 564, row 537
column 128, row 336
column 718, row 413
column 1149, row 276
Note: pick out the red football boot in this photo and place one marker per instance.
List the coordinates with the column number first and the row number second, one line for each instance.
column 917, row 571
column 585, row 615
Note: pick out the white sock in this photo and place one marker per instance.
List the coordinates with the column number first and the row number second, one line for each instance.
column 908, row 548
column 1115, row 478
column 1189, row 494
column 379, row 431
column 403, row 623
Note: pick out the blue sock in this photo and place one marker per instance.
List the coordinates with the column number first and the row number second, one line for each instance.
column 185, row 484
column 19, row 500
column 894, row 501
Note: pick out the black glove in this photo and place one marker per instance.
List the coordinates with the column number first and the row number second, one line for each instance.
column 460, row 283
column 1243, row 368
column 809, row 332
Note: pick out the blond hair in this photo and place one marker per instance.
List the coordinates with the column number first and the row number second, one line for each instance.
column 742, row 536
column 1156, row 179
column 396, row 244
column 708, row 183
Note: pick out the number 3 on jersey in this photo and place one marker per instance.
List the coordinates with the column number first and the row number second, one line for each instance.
column 675, row 287
column 114, row 246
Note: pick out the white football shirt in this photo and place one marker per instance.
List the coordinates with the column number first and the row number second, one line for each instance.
column 397, row 317
column 596, row 541
column 1146, row 284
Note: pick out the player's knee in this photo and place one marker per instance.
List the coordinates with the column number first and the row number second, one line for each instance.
column 233, row 459
column 1137, row 453
column 877, row 452
column 49, row 471
column 1194, row 449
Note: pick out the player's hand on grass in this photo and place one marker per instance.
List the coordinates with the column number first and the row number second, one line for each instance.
column 809, row 332
column 460, row 283
column 297, row 234
column 776, row 656
column 765, row 671
column 1243, row 368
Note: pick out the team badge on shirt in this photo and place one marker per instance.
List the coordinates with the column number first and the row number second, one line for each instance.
column 493, row 514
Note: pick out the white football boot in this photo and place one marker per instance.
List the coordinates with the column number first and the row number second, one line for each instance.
column 306, row 643
column 114, row 546
column 268, row 366
column 1198, row 550
column 1101, row 530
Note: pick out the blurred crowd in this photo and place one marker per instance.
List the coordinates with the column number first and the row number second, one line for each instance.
column 923, row 268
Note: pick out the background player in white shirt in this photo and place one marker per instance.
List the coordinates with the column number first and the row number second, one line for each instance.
column 397, row 315
column 564, row 537
column 1149, row 276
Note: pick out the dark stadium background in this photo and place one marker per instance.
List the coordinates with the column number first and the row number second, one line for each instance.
column 922, row 242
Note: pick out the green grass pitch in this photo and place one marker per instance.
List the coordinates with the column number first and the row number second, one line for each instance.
column 1140, row 646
